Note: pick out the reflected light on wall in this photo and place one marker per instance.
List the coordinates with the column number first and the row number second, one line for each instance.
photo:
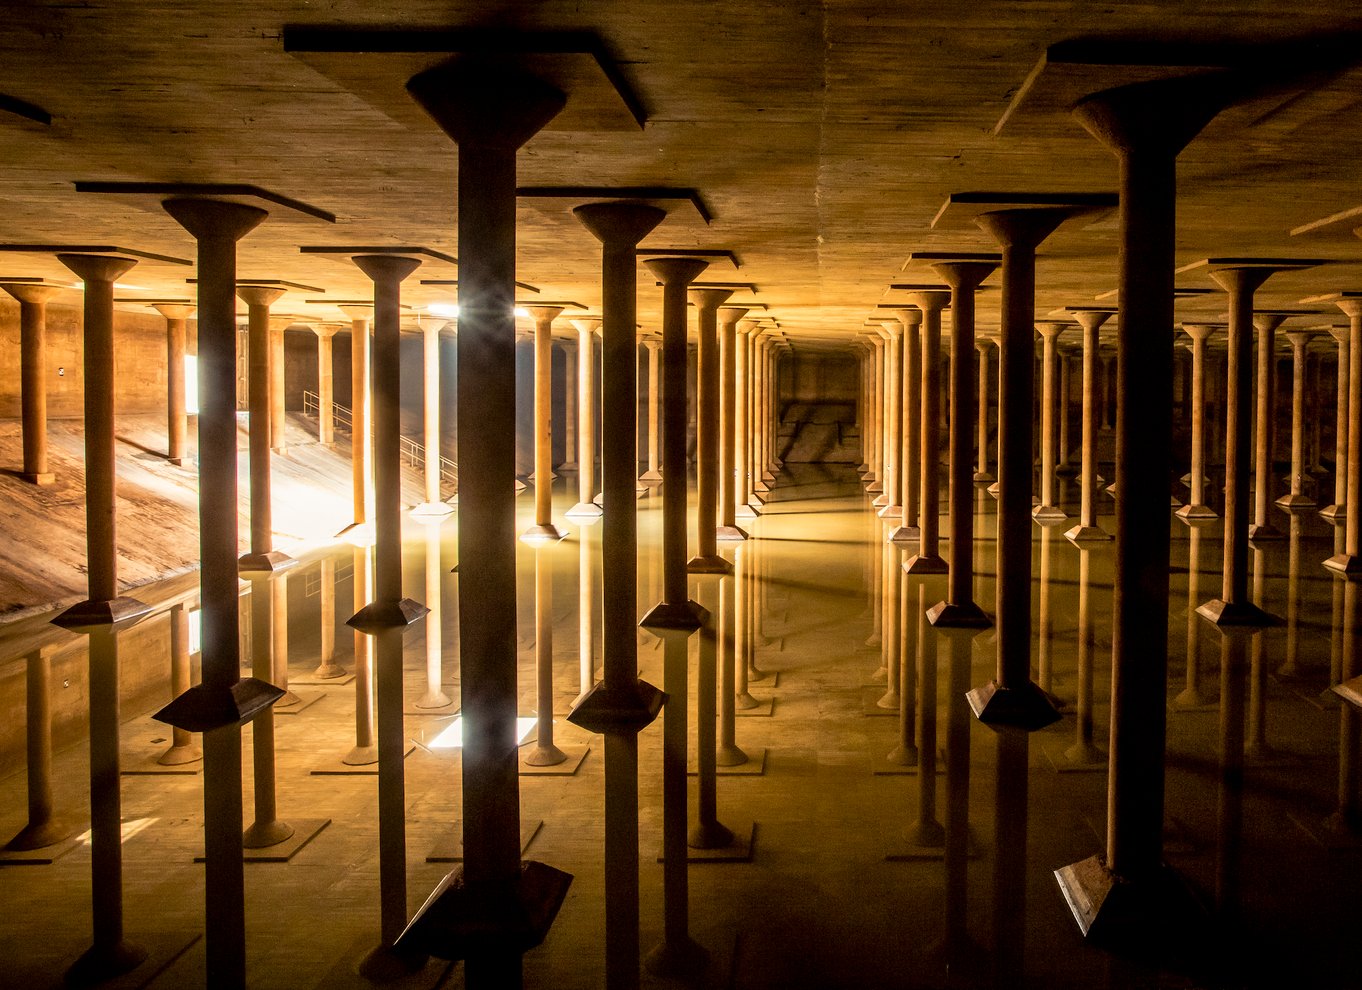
column 451, row 736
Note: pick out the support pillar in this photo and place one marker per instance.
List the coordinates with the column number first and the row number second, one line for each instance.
column 1349, row 562
column 434, row 504
column 874, row 484
column 892, row 498
column 262, row 556
column 909, row 449
column 33, row 376
column 1266, row 324
column 326, row 384
column 743, row 421
column 586, row 507
column 1048, row 511
column 278, row 420
column 1091, row 320
column 928, row 560
column 1337, row 511
column 707, row 559
column 176, row 316
column 654, row 347
column 983, row 474
column 1196, row 507
column 543, row 530
column 1296, row 497
column 727, row 528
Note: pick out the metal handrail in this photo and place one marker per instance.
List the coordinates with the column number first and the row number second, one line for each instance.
column 413, row 451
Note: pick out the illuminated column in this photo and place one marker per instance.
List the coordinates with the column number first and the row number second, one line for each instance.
column 727, row 528
column 654, row 346
column 1196, row 507
column 326, row 392
column 586, row 422
column 176, row 316
column 278, row 420
column 928, row 560
column 1266, row 325
column 267, row 830
column 435, row 696
column 262, row 556
column 877, row 348
column 327, row 668
column 742, row 425
column 1091, row 320
column 759, row 417
column 1048, row 511
column 434, row 505
column 983, row 344
column 361, row 421
column 569, row 407
column 1338, row 510
column 99, row 616
column 1350, row 560
column 43, row 828
column 33, row 299
column 707, row 559
column 182, row 747
column 1063, row 468
column 891, row 500
column 910, row 450
column 1296, row 498
column 543, row 529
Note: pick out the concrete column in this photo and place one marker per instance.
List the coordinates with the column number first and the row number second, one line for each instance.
column 1063, row 468
column 435, row 696
column 326, row 390
column 33, row 376
column 327, row 668
column 176, row 316
column 434, row 504
column 1338, row 510
column 959, row 609
column 1048, row 511
column 875, row 486
column 1196, row 507
column 908, row 450
column 278, row 420
column 742, row 423
column 182, row 748
column 707, row 559
column 890, row 500
column 983, row 345
column 586, row 506
column 1296, row 497
column 1266, row 325
column 1091, row 320
column 928, row 560
column 569, row 406
column 262, row 555
column 727, row 528
column 43, row 828
column 1350, row 560
column 654, row 348
column 543, row 529
column 361, row 420
column 760, row 418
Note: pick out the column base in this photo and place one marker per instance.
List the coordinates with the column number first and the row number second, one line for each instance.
column 769, row 474
column 45, row 477
column 89, row 615
column 102, row 963
column 881, row 500
column 436, row 509
column 1222, row 613
column 873, row 488
column 1159, row 912
column 601, row 710
column 1027, row 707
column 746, row 511
column 1335, row 512
column 264, row 834
column 1344, row 563
column 962, row 615
column 651, row 477
column 677, row 959
column 1086, row 534
column 710, row 835
column 756, row 501
column 688, row 616
column 730, row 533
column 1048, row 514
column 179, row 756
column 264, row 563
column 584, row 510
column 984, row 477
column 49, row 833
column 994, row 489
column 890, row 511
column 1295, row 500
column 542, row 533
column 1266, row 531
column 925, row 564
column 760, row 487
column 460, row 918
column 1350, row 691
column 1194, row 511
column 383, row 964
column 905, row 534
column 704, row 564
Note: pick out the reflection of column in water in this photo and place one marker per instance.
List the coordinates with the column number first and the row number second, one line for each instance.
column 708, row 832
column 586, row 609
column 760, row 580
column 890, row 616
column 742, row 623
column 364, row 753
column 1347, row 817
column 327, row 668
column 926, row 832
column 182, row 747
column 729, row 754
column 1258, row 748
column 1230, row 795
column 875, row 584
column 1045, row 624
column 904, row 753
column 1084, row 752
column 544, row 753
column 957, row 940
column 1192, row 696
column 43, row 828
column 1336, row 628
column 435, row 696
column 1291, row 666
column 266, row 830
column 1009, row 860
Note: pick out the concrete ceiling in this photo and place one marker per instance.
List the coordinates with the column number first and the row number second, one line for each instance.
column 822, row 137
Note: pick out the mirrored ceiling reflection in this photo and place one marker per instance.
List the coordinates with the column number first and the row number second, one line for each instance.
column 860, row 827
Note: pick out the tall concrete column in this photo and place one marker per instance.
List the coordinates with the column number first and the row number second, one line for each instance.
column 909, row 449
column 654, row 347
column 1350, row 560
column 1196, row 507
column 434, row 504
column 675, row 618
column 543, row 530
column 1063, row 468
column 1337, row 511
column 262, row 556
column 964, row 275
column 1296, row 497
column 435, row 696
column 1048, row 511
column 176, row 316
column 361, row 420
column 327, row 668
column 761, row 418
column 569, row 406
column 43, row 828
column 489, row 109
column 33, row 299
column 928, row 560
column 727, row 528
column 707, row 559
column 1091, row 320
column 890, row 500
column 326, row 383
column 1266, row 324
column 983, row 344
column 874, row 485
column 586, row 506
column 278, row 420
column 742, row 423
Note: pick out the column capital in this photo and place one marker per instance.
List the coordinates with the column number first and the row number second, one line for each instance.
column 931, row 300
column 1340, row 334
column 97, row 267
column 731, row 315
column 709, row 299
column 1350, row 305
column 909, row 316
column 652, row 343
column 32, row 293
column 259, row 295
column 982, row 343
column 1200, row 331
column 891, row 329
column 1091, row 319
column 1268, row 321
column 325, row 330
column 1299, row 339
column 358, row 312
column 672, row 270
column 174, row 311
column 544, row 314
column 587, row 324
column 1051, row 329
